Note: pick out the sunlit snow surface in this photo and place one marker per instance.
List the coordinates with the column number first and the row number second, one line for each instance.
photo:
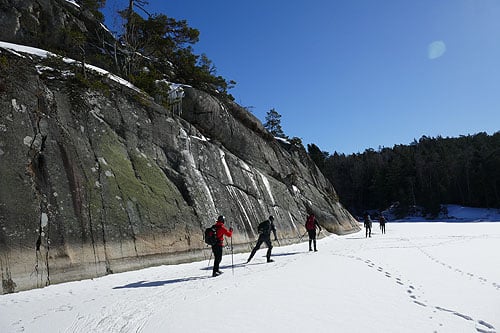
column 418, row 277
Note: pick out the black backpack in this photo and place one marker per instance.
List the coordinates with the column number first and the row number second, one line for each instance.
column 210, row 236
column 264, row 227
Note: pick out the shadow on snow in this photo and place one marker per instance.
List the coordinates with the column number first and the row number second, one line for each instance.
column 146, row 284
column 142, row 284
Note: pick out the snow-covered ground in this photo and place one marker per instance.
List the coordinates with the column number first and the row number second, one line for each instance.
column 454, row 213
column 418, row 277
column 468, row 214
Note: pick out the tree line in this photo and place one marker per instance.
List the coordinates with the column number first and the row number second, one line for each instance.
column 426, row 173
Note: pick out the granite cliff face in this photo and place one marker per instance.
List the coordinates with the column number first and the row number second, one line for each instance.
column 97, row 178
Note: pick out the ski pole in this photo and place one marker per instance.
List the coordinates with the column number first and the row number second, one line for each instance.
column 209, row 259
column 302, row 236
column 232, row 258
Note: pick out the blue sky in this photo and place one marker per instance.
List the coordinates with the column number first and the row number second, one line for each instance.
column 348, row 75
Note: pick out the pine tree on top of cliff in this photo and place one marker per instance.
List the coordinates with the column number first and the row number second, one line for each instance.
column 317, row 155
column 166, row 42
column 273, row 124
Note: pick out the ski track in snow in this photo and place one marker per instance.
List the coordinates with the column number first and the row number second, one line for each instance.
column 480, row 279
column 415, row 294
column 481, row 325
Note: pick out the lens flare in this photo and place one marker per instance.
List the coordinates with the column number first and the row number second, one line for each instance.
column 436, row 49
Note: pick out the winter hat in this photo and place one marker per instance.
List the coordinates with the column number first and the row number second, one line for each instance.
column 220, row 218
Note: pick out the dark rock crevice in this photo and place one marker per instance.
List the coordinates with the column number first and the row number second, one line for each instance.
column 97, row 203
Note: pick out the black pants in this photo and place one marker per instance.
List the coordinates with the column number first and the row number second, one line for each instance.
column 382, row 227
column 262, row 239
column 312, row 239
column 368, row 231
column 217, row 250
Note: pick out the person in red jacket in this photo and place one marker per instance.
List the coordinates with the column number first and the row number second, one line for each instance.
column 311, row 225
column 217, row 248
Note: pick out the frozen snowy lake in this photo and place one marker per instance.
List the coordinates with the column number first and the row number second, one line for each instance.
column 418, row 277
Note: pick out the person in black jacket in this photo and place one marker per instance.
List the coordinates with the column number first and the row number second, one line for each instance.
column 382, row 221
column 264, row 230
column 368, row 224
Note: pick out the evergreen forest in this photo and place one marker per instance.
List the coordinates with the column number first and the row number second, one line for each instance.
column 425, row 174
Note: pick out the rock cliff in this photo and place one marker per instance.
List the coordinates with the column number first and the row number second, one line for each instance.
column 97, row 178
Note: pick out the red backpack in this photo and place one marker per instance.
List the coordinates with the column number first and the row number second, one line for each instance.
column 310, row 222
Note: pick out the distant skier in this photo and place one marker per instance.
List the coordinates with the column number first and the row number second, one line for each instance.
column 311, row 225
column 368, row 225
column 217, row 247
column 382, row 221
column 264, row 230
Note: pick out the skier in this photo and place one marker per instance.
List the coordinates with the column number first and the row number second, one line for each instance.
column 311, row 225
column 368, row 224
column 217, row 247
column 264, row 230
column 382, row 221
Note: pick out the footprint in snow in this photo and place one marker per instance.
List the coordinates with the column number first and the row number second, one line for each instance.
column 420, row 303
column 481, row 325
column 65, row 307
